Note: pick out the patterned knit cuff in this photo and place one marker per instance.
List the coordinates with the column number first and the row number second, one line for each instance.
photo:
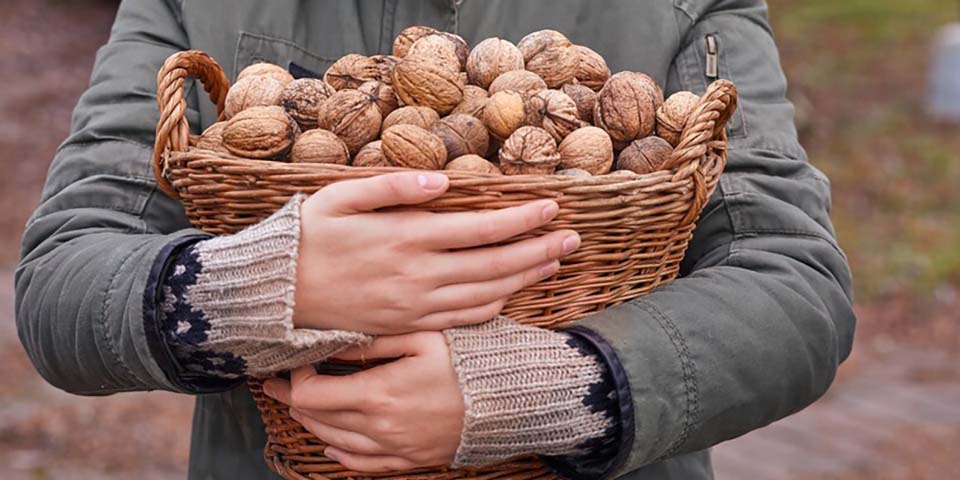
column 527, row 391
column 229, row 303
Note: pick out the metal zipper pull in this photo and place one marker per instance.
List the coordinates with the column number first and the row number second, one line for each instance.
column 713, row 55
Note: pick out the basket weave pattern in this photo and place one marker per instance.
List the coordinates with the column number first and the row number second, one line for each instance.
column 634, row 231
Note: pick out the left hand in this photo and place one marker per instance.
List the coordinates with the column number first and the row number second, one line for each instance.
column 398, row 416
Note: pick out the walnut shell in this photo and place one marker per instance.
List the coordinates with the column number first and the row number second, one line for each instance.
column 252, row 91
column 371, row 155
column 574, row 172
column 353, row 116
column 439, row 48
column 588, row 148
column 503, row 113
column 529, row 150
column 592, row 69
column 351, row 71
column 490, row 59
column 673, row 114
column 473, row 163
column 212, row 138
column 560, row 116
column 320, row 146
column 302, row 98
column 419, row 81
column 462, row 135
column 551, row 55
column 260, row 132
column 410, row 146
column 423, row 117
column 473, row 91
column 403, row 42
column 523, row 81
column 460, row 46
column 627, row 105
column 382, row 94
column 385, row 64
column 275, row 72
column 470, row 106
column 584, row 97
column 645, row 155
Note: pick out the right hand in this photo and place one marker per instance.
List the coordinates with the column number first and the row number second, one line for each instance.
column 386, row 273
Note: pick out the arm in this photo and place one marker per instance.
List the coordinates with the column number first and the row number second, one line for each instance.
column 756, row 328
column 90, row 247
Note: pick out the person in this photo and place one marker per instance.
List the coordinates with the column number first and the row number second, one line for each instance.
column 115, row 291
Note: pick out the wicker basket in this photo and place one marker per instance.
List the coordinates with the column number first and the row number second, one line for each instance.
column 634, row 230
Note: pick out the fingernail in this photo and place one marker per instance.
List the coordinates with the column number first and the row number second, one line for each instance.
column 549, row 269
column 431, row 181
column 571, row 243
column 331, row 453
column 550, row 211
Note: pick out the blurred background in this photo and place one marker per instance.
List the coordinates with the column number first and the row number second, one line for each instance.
column 859, row 74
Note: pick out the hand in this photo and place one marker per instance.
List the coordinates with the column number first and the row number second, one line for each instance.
column 405, row 271
column 398, row 416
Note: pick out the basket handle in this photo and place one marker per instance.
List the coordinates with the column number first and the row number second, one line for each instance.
column 173, row 132
column 705, row 130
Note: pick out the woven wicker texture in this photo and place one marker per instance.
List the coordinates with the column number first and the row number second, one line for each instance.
column 634, row 230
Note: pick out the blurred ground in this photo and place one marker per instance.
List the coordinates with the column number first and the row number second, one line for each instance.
column 857, row 71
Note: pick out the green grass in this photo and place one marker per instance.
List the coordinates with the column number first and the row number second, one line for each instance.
column 862, row 66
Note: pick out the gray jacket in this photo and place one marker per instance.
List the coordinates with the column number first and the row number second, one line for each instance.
column 753, row 331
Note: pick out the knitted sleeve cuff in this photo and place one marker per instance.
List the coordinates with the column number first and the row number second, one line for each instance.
column 228, row 309
column 527, row 391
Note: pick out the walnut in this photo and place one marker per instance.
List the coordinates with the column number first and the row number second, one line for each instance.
column 382, row 94
column 371, row 155
column 645, row 155
column 353, row 116
column 320, row 146
column 403, row 42
column 560, row 116
column 592, row 70
column 584, row 97
column 470, row 106
column 523, row 81
column 461, row 135
column 588, row 148
column 534, row 109
column 437, row 48
column 252, row 91
column 673, row 114
column 302, row 98
column 550, row 54
column 423, row 117
column 212, row 138
column 473, row 163
column 491, row 58
column 503, row 113
column 574, row 172
column 419, row 81
column 473, row 91
column 351, row 71
column 529, row 150
column 275, row 72
column 460, row 46
column 260, row 132
column 627, row 105
column 410, row 146
column 385, row 64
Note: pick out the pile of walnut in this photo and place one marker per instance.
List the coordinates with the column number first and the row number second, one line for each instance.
column 543, row 106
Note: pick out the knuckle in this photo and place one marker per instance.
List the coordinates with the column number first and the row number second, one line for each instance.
column 298, row 398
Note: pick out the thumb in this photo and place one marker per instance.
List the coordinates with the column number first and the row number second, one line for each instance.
column 368, row 194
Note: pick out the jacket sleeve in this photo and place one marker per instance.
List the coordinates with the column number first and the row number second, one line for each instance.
column 757, row 325
column 91, row 245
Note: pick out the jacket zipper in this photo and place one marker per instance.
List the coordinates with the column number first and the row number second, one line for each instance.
column 713, row 57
